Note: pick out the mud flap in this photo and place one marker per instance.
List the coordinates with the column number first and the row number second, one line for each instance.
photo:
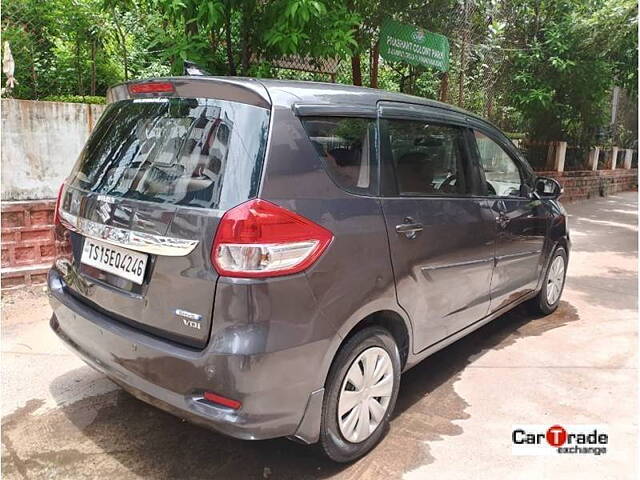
column 308, row 430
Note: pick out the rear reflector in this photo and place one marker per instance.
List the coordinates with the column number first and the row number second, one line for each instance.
column 220, row 400
column 260, row 239
column 151, row 87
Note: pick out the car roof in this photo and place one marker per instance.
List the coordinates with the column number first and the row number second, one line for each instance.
column 296, row 92
column 324, row 93
column 291, row 93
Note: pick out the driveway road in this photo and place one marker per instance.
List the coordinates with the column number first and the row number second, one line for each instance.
column 455, row 411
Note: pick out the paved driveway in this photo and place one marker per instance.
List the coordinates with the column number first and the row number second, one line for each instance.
column 455, row 410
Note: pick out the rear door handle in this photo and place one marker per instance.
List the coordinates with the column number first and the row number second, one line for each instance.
column 409, row 229
column 502, row 220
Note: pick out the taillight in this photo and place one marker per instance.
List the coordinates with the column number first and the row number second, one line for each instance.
column 56, row 213
column 151, row 87
column 260, row 239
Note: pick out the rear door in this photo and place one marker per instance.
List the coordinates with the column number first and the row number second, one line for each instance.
column 143, row 204
column 441, row 235
column 521, row 220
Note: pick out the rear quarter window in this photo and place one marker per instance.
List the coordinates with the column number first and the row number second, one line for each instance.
column 190, row 152
column 347, row 148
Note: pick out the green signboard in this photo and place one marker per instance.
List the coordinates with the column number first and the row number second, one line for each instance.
column 405, row 43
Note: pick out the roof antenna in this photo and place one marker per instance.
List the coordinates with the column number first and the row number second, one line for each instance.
column 193, row 69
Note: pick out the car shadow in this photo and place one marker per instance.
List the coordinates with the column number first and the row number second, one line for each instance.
column 115, row 434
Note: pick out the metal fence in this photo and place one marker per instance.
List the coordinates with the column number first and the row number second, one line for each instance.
column 536, row 154
column 577, row 158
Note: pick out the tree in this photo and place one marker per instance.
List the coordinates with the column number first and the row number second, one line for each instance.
column 563, row 77
column 543, row 67
column 230, row 36
column 64, row 47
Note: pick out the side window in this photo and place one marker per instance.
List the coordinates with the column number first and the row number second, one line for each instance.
column 347, row 146
column 428, row 158
column 501, row 172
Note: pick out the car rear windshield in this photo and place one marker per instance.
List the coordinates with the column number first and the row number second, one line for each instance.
column 182, row 151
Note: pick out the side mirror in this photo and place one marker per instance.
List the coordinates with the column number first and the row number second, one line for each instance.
column 547, row 187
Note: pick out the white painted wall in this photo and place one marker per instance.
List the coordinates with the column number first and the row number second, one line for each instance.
column 40, row 144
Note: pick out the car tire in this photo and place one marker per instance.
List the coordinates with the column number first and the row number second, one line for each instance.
column 548, row 298
column 340, row 435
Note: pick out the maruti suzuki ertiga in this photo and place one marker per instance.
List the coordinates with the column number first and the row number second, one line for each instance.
column 267, row 257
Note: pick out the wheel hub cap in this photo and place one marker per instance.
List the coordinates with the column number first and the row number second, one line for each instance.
column 365, row 394
column 555, row 280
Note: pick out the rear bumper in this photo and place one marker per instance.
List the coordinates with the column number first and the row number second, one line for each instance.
column 275, row 388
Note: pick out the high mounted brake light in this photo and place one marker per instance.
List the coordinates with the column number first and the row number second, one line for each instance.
column 260, row 239
column 151, row 87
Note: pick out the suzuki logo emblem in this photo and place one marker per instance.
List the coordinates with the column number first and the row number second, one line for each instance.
column 104, row 211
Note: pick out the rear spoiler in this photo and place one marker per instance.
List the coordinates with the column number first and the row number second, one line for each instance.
column 241, row 90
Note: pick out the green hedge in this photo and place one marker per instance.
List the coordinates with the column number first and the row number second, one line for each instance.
column 76, row 99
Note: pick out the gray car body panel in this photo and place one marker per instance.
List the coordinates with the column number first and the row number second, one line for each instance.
column 270, row 342
column 172, row 283
column 274, row 396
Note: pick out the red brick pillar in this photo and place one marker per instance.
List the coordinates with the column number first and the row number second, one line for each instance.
column 28, row 242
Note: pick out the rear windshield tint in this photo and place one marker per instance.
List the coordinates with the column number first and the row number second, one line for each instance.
column 192, row 152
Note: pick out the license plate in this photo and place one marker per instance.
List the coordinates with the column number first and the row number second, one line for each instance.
column 117, row 260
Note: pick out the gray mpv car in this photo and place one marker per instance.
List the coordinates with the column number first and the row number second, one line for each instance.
column 267, row 257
